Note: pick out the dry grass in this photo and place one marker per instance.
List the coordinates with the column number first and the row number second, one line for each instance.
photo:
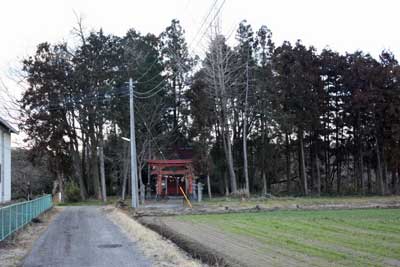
column 16, row 247
column 303, row 202
column 161, row 251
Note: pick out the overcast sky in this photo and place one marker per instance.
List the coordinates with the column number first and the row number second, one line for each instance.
column 342, row 25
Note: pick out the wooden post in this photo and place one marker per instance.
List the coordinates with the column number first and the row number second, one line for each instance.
column 166, row 185
column 190, row 176
column 187, row 200
column 159, row 185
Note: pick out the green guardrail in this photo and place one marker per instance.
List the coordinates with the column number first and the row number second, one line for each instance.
column 15, row 216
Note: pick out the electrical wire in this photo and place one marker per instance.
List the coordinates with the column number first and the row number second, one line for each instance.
column 214, row 18
column 156, row 89
column 204, row 22
column 151, row 90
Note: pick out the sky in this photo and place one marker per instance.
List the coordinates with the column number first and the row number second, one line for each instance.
column 342, row 25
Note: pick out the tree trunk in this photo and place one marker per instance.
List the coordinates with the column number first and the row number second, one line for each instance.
column 94, row 161
column 339, row 176
column 142, row 188
column 355, row 173
column 318, row 173
column 369, row 178
column 397, row 186
column 385, row 176
column 78, row 173
column 361, row 172
column 226, row 184
column 337, row 155
column 394, row 180
column 229, row 162
column 327, row 180
column 302, row 165
column 95, row 171
column 288, row 184
column 263, row 163
column 245, row 164
column 87, row 166
column 84, row 165
column 379, row 179
column 357, row 153
column 312, row 181
column 220, row 82
column 264, row 178
column 209, row 186
column 102, row 171
column 175, row 122
column 232, row 174
column 125, row 171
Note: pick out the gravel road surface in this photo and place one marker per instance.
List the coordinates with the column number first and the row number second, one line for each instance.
column 83, row 236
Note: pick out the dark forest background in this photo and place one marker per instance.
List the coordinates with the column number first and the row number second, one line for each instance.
column 257, row 117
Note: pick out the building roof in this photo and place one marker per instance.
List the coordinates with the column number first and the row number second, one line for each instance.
column 6, row 125
column 171, row 162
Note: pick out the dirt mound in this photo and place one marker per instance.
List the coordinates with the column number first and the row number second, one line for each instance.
column 162, row 211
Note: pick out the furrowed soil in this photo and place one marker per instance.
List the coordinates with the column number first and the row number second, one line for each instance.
column 363, row 237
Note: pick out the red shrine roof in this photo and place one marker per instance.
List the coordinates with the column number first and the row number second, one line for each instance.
column 169, row 162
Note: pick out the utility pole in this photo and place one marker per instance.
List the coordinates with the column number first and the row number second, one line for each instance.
column 135, row 199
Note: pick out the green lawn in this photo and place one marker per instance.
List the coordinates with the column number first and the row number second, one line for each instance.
column 369, row 237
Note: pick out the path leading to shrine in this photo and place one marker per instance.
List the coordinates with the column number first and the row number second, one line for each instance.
column 84, row 236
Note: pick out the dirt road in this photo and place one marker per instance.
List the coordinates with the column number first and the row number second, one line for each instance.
column 83, row 236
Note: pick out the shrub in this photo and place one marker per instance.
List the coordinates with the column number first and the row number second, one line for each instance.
column 72, row 192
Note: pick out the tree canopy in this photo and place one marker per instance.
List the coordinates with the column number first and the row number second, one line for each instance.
column 260, row 117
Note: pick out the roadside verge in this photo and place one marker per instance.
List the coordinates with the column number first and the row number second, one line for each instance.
column 17, row 246
column 161, row 251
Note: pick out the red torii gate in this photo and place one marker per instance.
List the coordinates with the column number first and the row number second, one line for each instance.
column 172, row 167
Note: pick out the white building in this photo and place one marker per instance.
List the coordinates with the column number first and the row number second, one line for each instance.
column 5, row 160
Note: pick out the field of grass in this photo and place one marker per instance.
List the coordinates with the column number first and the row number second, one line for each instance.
column 369, row 237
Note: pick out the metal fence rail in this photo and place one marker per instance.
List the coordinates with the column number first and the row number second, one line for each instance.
column 15, row 216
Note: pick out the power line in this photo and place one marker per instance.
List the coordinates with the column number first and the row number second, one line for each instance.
column 74, row 101
column 151, row 90
column 149, row 96
column 147, row 71
column 203, row 23
column 141, row 95
column 214, row 18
